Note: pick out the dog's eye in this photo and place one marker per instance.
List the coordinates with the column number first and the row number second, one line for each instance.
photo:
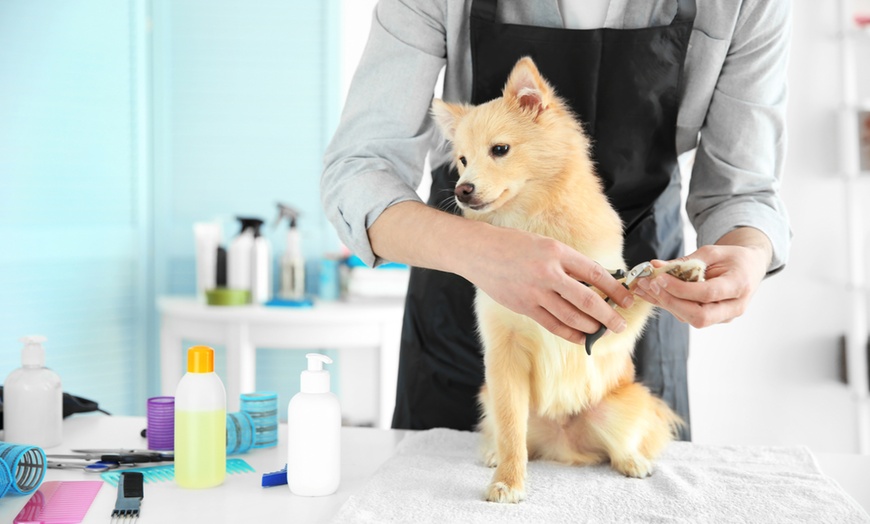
column 463, row 161
column 500, row 149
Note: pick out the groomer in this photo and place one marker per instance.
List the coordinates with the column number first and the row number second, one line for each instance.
column 650, row 80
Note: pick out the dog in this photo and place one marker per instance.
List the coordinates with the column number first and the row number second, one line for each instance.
column 524, row 163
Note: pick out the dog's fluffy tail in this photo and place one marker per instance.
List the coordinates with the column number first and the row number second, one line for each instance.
column 671, row 424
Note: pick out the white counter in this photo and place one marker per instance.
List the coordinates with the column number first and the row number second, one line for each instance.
column 241, row 499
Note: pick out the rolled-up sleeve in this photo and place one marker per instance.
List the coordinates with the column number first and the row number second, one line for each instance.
column 376, row 156
column 738, row 165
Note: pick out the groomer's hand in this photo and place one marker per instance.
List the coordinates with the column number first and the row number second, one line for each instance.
column 736, row 265
column 527, row 273
column 543, row 279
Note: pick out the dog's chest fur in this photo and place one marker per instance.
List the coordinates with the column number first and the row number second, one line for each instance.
column 564, row 379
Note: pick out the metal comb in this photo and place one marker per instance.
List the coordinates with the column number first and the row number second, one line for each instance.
column 130, row 494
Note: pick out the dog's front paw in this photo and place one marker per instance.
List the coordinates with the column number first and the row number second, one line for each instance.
column 501, row 492
column 635, row 466
column 691, row 270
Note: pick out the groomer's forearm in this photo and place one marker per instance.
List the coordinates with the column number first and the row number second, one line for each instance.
column 751, row 238
column 418, row 235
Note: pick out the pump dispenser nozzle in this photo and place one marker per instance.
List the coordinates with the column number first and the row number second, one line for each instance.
column 315, row 379
column 316, row 361
column 33, row 354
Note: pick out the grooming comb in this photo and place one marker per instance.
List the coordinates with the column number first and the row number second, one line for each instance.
column 167, row 472
column 130, row 495
column 58, row 502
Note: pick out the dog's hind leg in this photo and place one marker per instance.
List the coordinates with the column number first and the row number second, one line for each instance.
column 632, row 427
column 562, row 440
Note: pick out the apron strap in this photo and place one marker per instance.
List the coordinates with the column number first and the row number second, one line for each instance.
column 484, row 9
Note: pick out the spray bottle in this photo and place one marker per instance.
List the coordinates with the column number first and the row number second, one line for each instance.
column 33, row 399
column 314, row 433
column 292, row 262
column 200, row 423
column 249, row 261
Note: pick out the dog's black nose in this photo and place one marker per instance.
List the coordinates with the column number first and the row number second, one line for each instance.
column 464, row 192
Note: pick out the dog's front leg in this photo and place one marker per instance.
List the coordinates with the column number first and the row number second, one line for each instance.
column 507, row 379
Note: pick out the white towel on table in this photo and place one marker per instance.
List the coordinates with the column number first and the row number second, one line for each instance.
column 438, row 476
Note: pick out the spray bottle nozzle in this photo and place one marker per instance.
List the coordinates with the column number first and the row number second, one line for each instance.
column 250, row 223
column 285, row 211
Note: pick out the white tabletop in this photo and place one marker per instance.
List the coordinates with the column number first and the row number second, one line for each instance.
column 241, row 497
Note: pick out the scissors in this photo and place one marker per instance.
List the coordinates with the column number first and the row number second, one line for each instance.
column 642, row 270
column 128, row 455
column 87, row 467
column 98, row 460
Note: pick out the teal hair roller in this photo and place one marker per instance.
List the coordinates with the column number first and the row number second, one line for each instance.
column 22, row 468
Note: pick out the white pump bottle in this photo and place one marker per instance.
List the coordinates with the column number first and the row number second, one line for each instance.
column 33, row 400
column 314, row 433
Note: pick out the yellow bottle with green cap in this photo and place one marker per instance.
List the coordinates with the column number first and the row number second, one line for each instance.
column 200, row 423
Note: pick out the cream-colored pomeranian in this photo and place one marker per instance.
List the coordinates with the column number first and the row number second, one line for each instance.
column 524, row 163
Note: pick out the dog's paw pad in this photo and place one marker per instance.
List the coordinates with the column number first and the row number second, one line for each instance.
column 501, row 492
column 636, row 467
column 690, row 270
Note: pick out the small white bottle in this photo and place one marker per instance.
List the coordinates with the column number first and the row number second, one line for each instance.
column 200, row 423
column 292, row 263
column 239, row 258
column 261, row 267
column 33, row 399
column 314, row 434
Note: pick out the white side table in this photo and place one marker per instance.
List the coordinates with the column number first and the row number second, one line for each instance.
column 345, row 326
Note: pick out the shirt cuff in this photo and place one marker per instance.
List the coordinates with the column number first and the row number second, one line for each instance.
column 773, row 223
column 360, row 201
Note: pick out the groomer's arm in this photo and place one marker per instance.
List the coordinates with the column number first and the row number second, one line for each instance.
column 529, row 274
column 734, row 197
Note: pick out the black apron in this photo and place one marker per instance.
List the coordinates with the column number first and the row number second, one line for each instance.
column 624, row 86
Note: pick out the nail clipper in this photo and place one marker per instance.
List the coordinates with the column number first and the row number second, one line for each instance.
column 642, row 270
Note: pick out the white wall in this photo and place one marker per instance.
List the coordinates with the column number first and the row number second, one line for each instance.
column 771, row 376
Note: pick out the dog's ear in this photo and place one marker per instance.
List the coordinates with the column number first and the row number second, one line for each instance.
column 447, row 116
column 527, row 87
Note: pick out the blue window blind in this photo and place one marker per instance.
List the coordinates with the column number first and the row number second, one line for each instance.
column 73, row 257
column 114, row 141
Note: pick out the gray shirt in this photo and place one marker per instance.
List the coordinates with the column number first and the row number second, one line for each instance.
column 732, row 109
